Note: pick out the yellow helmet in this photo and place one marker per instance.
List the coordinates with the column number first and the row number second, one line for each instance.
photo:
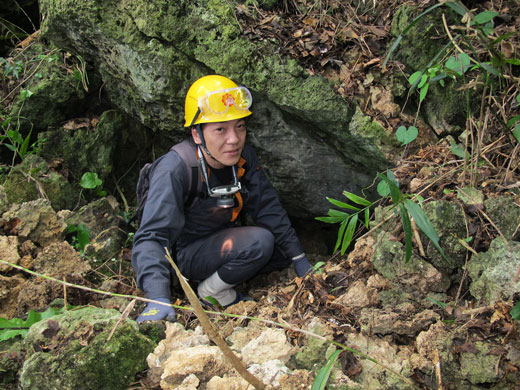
column 216, row 99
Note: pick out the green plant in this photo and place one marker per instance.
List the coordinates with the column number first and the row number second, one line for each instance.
column 316, row 268
column 11, row 68
column 515, row 311
column 348, row 221
column 323, row 374
column 18, row 327
column 81, row 238
column 406, row 135
column 405, row 207
column 91, row 181
column 408, row 208
column 13, row 140
column 515, row 121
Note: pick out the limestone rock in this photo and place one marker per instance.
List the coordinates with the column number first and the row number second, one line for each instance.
column 176, row 338
column 492, row 272
column 271, row 345
column 505, row 213
column 73, row 352
column 358, row 296
column 416, row 275
column 33, row 179
column 35, row 220
column 203, row 361
column 270, row 371
column 8, row 252
column 400, row 320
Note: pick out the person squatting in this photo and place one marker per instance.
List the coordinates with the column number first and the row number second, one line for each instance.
column 212, row 247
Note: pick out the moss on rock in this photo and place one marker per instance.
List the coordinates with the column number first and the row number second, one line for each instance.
column 32, row 179
column 77, row 353
column 85, row 149
column 492, row 272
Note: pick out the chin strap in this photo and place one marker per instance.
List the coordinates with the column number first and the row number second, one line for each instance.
column 201, row 135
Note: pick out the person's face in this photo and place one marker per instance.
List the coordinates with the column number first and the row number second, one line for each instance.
column 224, row 140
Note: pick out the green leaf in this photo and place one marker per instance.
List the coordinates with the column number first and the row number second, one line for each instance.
column 407, row 227
column 90, row 180
column 25, row 145
column 357, row 199
column 458, row 151
column 484, row 17
column 25, row 94
column 349, row 233
column 423, row 81
column 17, row 327
column 513, row 120
column 457, row 7
column 515, row 311
column 405, row 136
column 82, row 234
column 442, row 305
column 15, row 136
column 212, row 300
column 367, row 218
column 470, row 196
column 459, row 63
column 12, row 148
column 329, row 219
column 316, row 267
column 421, row 219
column 383, row 189
column 338, row 213
column 423, row 92
column 342, row 204
column 489, row 68
column 394, row 189
column 516, row 132
column 424, row 224
column 323, row 374
column 341, row 232
column 414, row 77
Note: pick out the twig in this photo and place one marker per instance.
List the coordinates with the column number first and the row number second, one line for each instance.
column 123, row 317
column 237, row 363
column 418, row 238
column 496, row 227
column 65, row 295
column 437, row 363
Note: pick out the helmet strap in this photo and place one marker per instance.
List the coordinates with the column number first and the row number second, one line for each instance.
column 198, row 127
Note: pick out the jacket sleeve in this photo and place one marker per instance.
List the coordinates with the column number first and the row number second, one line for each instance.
column 161, row 224
column 263, row 205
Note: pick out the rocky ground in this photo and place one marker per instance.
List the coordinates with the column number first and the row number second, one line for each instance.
column 400, row 325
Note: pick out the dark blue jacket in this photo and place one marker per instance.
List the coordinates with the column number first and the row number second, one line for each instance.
column 165, row 221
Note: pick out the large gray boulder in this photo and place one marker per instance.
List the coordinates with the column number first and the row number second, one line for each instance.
column 149, row 52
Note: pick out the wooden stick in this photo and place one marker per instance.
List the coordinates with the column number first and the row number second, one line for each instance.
column 208, row 327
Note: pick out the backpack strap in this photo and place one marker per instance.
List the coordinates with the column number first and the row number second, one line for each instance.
column 187, row 152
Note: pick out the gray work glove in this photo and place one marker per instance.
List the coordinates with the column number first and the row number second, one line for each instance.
column 302, row 265
column 156, row 312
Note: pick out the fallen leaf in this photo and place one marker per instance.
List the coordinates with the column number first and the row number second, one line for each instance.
column 465, row 348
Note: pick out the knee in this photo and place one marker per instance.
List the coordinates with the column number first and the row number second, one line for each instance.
column 263, row 240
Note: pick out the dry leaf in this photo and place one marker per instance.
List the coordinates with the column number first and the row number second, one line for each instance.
column 507, row 49
column 310, row 21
